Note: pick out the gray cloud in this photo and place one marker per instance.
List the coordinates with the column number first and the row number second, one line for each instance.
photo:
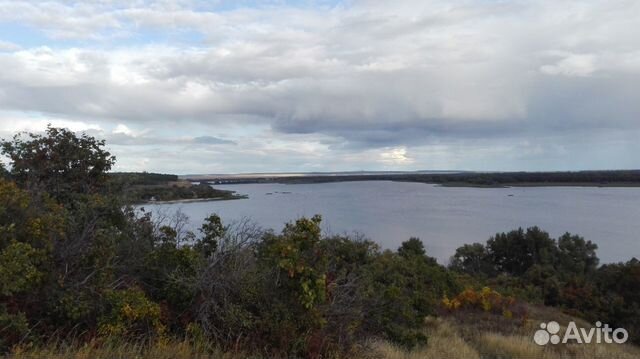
column 210, row 140
column 359, row 76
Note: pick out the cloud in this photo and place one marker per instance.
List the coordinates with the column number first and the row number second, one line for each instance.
column 395, row 156
column 123, row 129
column 12, row 122
column 361, row 77
column 210, row 140
column 572, row 65
column 8, row 46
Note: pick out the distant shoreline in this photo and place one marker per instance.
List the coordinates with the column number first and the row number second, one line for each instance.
column 549, row 184
column 618, row 178
column 190, row 200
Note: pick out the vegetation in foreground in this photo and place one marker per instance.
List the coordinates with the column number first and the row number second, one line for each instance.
column 464, row 338
column 84, row 274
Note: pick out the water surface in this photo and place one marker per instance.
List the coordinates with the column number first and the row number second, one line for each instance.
column 443, row 217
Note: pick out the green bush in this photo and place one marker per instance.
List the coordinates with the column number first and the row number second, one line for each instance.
column 129, row 313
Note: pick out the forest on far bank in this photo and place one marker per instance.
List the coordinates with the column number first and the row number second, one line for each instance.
column 604, row 178
column 81, row 267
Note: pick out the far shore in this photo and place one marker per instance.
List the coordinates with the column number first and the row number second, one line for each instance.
column 533, row 184
column 190, row 200
column 609, row 178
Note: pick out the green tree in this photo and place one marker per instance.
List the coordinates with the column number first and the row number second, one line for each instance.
column 29, row 229
column 4, row 174
column 576, row 257
column 515, row 252
column 212, row 230
column 404, row 287
column 472, row 259
column 412, row 247
column 618, row 291
column 58, row 162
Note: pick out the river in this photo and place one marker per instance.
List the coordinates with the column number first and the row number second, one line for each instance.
column 443, row 217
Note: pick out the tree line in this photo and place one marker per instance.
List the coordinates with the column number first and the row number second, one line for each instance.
column 474, row 179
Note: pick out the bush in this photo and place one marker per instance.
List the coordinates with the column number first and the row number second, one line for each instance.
column 404, row 288
column 130, row 314
column 486, row 300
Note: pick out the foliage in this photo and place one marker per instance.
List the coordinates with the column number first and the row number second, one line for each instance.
column 487, row 300
column 168, row 274
column 532, row 257
column 562, row 272
column 129, row 313
column 617, row 296
column 472, row 259
column 405, row 287
column 138, row 194
column 28, row 229
column 59, row 162
column 517, row 251
column 212, row 230
column 576, row 257
column 143, row 178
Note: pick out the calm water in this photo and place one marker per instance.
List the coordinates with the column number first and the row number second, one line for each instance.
column 444, row 218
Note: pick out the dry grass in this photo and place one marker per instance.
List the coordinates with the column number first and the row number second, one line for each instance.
column 444, row 342
column 158, row 350
column 452, row 337
column 449, row 338
column 500, row 346
column 180, row 183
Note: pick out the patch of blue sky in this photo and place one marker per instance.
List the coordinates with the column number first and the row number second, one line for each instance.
column 230, row 5
column 178, row 36
column 23, row 35
column 27, row 36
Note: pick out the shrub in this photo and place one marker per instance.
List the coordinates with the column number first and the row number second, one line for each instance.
column 486, row 300
column 129, row 313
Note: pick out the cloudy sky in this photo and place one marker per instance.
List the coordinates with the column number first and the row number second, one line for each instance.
column 263, row 86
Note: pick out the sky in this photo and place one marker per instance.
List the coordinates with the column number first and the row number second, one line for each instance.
column 189, row 87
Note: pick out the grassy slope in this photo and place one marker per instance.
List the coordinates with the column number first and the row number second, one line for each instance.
column 463, row 335
column 489, row 336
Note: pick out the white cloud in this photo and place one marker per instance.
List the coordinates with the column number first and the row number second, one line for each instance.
column 395, row 156
column 11, row 122
column 8, row 46
column 572, row 65
column 370, row 81
column 123, row 129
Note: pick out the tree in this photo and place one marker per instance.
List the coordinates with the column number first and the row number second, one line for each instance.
column 58, row 162
column 29, row 228
column 412, row 247
column 515, row 252
column 472, row 259
column 4, row 174
column 576, row 256
column 615, row 300
column 405, row 287
column 212, row 230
